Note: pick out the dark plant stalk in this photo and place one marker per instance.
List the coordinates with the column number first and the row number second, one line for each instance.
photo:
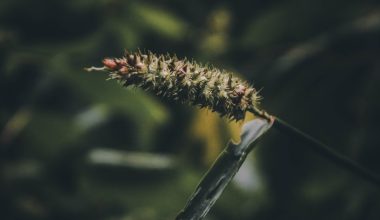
column 320, row 147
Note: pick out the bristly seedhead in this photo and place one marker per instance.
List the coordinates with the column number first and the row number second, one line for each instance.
column 184, row 81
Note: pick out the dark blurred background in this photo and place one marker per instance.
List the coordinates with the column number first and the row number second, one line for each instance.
column 75, row 146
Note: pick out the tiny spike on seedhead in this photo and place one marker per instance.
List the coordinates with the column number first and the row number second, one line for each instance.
column 185, row 81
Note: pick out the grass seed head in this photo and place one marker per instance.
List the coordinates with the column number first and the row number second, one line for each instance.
column 185, row 81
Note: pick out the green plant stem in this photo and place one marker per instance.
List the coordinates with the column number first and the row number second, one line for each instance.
column 320, row 148
column 222, row 171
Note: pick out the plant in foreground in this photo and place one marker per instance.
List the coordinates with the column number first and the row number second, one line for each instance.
column 208, row 87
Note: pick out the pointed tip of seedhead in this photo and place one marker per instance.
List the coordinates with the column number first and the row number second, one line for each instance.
column 93, row 68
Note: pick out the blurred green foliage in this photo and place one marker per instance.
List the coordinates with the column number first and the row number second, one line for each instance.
column 74, row 146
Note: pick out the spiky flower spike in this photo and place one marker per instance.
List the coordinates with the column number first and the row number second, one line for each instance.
column 184, row 81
